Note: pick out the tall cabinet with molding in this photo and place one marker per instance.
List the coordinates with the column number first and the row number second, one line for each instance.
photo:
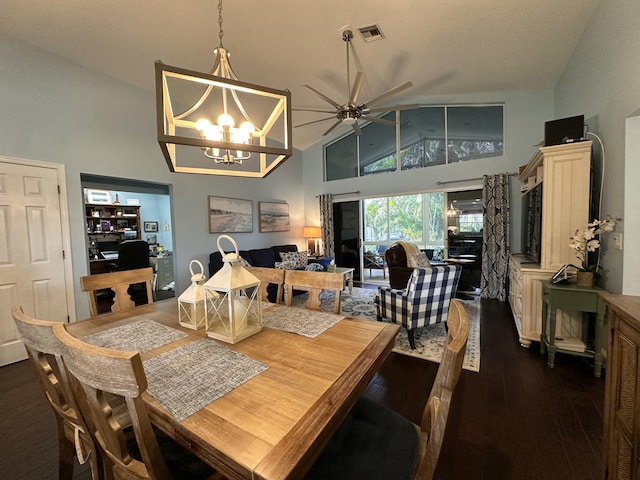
column 565, row 174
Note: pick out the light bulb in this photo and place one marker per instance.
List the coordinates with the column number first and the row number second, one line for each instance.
column 248, row 128
column 238, row 136
column 203, row 124
column 225, row 120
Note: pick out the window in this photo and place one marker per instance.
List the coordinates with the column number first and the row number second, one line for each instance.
column 474, row 132
column 470, row 223
column 417, row 218
column 424, row 136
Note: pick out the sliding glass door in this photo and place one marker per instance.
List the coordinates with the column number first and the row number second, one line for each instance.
column 417, row 218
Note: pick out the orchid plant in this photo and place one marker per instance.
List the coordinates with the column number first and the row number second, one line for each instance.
column 588, row 240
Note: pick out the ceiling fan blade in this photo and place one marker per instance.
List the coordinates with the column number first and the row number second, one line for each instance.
column 357, row 85
column 381, row 121
column 311, row 110
column 332, row 127
column 388, row 93
column 356, row 128
column 322, row 96
column 314, row 121
column 394, row 107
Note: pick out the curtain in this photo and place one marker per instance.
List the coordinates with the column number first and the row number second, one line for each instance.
column 495, row 237
column 326, row 223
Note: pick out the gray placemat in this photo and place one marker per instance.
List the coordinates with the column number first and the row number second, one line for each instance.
column 190, row 377
column 141, row 336
column 309, row 323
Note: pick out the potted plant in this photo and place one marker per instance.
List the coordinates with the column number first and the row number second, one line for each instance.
column 587, row 241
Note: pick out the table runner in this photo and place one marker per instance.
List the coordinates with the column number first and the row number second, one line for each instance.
column 190, row 377
column 140, row 336
column 309, row 323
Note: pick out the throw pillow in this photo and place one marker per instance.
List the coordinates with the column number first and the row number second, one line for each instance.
column 419, row 260
column 314, row 267
column 285, row 265
column 299, row 258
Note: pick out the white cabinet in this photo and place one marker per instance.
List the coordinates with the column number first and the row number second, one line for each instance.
column 565, row 173
column 525, row 297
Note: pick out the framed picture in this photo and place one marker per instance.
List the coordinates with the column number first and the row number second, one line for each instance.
column 99, row 196
column 150, row 226
column 274, row 217
column 230, row 215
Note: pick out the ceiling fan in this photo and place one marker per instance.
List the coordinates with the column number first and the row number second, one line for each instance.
column 351, row 111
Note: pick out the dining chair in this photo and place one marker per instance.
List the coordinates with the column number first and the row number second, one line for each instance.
column 314, row 283
column 376, row 443
column 269, row 276
column 119, row 283
column 149, row 454
column 73, row 436
column 425, row 300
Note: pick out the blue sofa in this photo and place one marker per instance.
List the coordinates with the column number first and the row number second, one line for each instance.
column 259, row 257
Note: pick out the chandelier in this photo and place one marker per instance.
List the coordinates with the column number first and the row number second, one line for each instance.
column 452, row 212
column 214, row 117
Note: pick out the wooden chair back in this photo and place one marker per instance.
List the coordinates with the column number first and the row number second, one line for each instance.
column 436, row 411
column 314, row 283
column 73, row 435
column 267, row 276
column 99, row 371
column 119, row 283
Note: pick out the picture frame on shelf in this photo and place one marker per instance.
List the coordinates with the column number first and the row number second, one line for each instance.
column 274, row 217
column 102, row 197
column 230, row 215
column 150, row 226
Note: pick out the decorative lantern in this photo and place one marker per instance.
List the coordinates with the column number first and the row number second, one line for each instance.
column 191, row 311
column 232, row 300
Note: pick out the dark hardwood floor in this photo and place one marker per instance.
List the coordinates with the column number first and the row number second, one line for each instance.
column 515, row 419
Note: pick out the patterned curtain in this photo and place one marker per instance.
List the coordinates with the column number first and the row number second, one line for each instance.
column 495, row 238
column 326, row 223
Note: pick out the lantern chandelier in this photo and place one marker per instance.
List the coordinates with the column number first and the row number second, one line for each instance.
column 217, row 120
column 453, row 212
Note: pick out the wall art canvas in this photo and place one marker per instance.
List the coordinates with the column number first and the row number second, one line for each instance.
column 274, row 217
column 230, row 215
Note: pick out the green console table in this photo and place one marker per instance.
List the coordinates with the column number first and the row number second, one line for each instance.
column 574, row 298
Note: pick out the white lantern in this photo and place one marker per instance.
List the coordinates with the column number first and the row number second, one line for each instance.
column 191, row 311
column 232, row 300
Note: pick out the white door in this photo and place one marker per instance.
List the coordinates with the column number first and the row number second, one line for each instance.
column 32, row 267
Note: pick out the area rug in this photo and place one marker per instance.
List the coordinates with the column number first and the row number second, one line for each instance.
column 429, row 340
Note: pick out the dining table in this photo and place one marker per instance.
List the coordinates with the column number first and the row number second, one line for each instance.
column 275, row 422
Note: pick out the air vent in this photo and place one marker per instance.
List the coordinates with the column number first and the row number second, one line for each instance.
column 371, row 33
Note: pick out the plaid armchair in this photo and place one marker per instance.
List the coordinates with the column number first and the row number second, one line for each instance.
column 425, row 300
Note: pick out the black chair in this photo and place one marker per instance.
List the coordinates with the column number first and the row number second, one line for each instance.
column 132, row 255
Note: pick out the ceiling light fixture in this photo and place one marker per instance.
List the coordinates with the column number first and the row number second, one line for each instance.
column 452, row 212
column 234, row 136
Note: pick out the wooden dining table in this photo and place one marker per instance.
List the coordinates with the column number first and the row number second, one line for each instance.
column 274, row 425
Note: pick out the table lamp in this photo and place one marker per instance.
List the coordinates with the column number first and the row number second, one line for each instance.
column 313, row 235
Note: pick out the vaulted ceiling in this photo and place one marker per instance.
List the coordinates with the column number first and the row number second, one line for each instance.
column 445, row 47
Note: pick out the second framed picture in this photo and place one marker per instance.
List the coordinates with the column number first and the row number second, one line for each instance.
column 274, row 217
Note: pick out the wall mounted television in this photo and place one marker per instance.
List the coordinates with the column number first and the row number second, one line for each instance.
column 532, row 224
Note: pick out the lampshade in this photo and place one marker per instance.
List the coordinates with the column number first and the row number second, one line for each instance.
column 312, row 232
column 238, row 128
